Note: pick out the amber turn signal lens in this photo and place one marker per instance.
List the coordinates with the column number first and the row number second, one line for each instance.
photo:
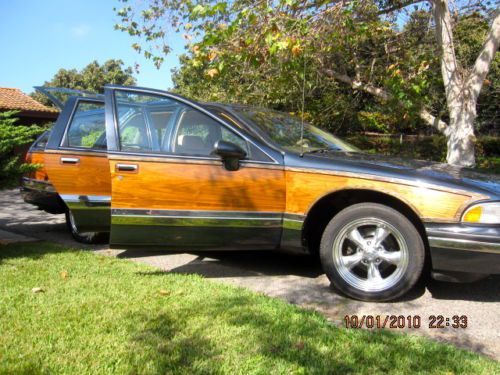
column 483, row 213
column 473, row 215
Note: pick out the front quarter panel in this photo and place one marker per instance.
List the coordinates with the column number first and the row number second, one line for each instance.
column 430, row 203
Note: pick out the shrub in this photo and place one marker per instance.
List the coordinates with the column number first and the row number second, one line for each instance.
column 12, row 136
column 428, row 148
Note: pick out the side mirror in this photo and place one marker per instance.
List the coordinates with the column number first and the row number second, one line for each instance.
column 230, row 153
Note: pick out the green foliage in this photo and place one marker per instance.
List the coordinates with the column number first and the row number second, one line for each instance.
column 13, row 135
column 90, row 139
column 429, row 148
column 489, row 146
column 271, row 53
column 376, row 121
column 103, row 315
column 92, row 78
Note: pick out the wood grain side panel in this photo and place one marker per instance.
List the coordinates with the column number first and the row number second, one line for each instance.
column 304, row 189
column 174, row 186
column 89, row 177
column 37, row 158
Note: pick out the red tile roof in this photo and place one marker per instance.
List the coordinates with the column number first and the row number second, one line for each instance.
column 15, row 99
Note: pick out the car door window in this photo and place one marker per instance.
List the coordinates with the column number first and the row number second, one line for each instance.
column 143, row 120
column 87, row 127
column 154, row 123
column 160, row 120
column 197, row 134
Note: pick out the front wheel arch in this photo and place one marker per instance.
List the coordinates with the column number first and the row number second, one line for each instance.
column 324, row 209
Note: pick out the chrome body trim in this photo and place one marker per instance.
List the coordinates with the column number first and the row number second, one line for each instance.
column 173, row 221
column 82, row 198
column 154, row 156
column 86, row 201
column 293, row 221
column 176, row 218
column 70, row 160
column 77, row 151
column 199, row 214
column 291, row 235
column 464, row 248
column 91, row 213
column 110, row 99
column 183, row 159
column 126, row 167
column 35, row 184
column 464, row 245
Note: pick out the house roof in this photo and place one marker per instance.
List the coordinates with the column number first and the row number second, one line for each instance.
column 15, row 99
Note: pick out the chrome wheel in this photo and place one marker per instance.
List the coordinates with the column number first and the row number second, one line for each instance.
column 72, row 222
column 370, row 254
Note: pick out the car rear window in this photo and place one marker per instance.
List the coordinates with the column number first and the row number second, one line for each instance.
column 87, row 127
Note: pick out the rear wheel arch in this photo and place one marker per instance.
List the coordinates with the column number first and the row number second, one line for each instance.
column 324, row 209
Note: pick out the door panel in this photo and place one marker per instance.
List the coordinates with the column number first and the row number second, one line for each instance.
column 178, row 204
column 77, row 164
column 177, row 185
column 168, row 188
column 82, row 179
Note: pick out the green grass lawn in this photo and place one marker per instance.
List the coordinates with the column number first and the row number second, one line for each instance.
column 99, row 314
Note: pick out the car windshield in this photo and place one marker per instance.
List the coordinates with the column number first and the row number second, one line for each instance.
column 285, row 130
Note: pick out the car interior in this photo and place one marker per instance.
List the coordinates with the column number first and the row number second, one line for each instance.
column 150, row 127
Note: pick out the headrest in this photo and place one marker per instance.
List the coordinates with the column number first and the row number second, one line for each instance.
column 191, row 142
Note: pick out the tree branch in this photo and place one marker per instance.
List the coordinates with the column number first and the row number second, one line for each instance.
column 399, row 5
column 444, row 35
column 383, row 94
column 486, row 56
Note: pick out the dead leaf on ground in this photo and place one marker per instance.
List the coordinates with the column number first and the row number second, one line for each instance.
column 299, row 345
column 164, row 292
column 64, row 275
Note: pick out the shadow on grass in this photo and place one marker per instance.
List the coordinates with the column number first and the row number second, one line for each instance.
column 246, row 333
column 32, row 250
column 164, row 347
column 254, row 263
column 240, row 263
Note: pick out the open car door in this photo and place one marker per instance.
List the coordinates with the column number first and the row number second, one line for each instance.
column 59, row 96
column 76, row 163
column 168, row 188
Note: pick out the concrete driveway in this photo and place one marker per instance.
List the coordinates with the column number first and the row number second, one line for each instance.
column 296, row 279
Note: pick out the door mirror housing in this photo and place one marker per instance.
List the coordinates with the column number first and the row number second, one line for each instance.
column 230, row 153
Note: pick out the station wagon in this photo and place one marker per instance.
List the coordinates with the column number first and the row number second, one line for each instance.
column 153, row 169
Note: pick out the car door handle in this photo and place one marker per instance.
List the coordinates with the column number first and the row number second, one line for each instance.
column 126, row 167
column 70, row 160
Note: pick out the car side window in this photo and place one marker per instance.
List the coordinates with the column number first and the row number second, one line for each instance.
column 144, row 120
column 197, row 133
column 87, row 127
column 154, row 123
column 160, row 120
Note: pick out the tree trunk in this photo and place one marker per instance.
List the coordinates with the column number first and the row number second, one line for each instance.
column 460, row 134
column 461, row 104
column 462, row 87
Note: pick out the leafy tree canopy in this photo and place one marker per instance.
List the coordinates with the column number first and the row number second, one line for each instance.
column 271, row 53
column 92, row 78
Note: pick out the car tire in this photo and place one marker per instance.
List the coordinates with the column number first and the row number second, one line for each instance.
column 372, row 252
column 84, row 237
